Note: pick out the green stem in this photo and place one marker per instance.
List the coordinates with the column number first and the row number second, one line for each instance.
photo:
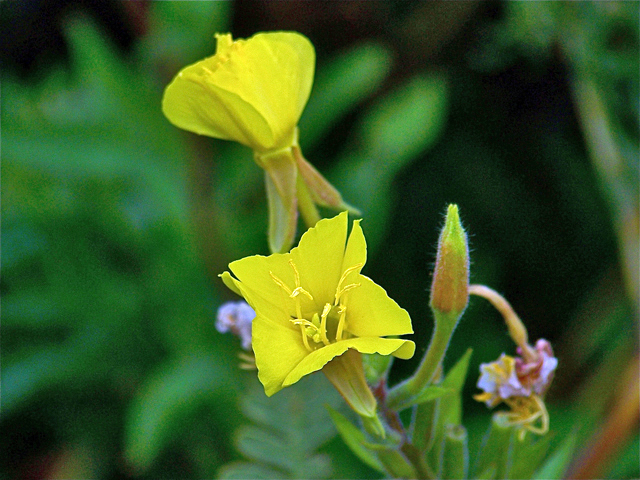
column 306, row 206
column 402, row 394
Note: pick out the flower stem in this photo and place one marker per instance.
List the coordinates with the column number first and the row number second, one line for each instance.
column 517, row 330
column 444, row 326
column 306, row 206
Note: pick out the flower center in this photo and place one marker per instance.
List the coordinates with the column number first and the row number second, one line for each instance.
column 320, row 327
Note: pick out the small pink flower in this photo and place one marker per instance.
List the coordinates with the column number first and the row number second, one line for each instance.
column 536, row 375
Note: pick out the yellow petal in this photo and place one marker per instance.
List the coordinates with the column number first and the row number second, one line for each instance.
column 257, row 275
column 194, row 103
column 314, row 361
column 318, row 257
column 278, row 350
column 252, row 91
column 370, row 311
column 356, row 251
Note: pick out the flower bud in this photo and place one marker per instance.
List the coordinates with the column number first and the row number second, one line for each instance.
column 449, row 290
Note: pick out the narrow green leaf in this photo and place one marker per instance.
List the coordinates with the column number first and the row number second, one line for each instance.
column 428, row 394
column 528, row 456
column 557, row 463
column 450, row 411
column 394, row 461
column 354, row 439
column 496, row 452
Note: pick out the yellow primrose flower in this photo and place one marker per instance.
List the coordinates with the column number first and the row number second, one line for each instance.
column 253, row 92
column 313, row 306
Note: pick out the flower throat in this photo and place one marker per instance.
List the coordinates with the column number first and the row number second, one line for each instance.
column 328, row 326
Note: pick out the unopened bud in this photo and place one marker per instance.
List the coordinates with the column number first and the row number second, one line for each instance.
column 449, row 290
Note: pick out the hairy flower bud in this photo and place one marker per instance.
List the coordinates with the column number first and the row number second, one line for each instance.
column 449, row 290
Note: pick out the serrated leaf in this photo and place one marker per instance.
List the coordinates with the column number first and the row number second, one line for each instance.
column 176, row 391
column 289, row 427
column 355, row 439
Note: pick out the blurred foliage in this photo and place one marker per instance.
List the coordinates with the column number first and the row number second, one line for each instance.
column 115, row 224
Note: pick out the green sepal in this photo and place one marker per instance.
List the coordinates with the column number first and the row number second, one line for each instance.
column 354, row 438
column 455, row 455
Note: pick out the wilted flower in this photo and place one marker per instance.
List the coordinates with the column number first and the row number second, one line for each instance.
column 313, row 305
column 521, row 384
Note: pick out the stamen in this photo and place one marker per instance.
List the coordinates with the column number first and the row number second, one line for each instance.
column 298, row 290
column 323, row 323
column 342, row 311
column 303, row 329
column 280, row 283
column 348, row 271
column 345, row 289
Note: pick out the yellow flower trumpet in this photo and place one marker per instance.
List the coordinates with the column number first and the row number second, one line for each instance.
column 315, row 311
column 253, row 92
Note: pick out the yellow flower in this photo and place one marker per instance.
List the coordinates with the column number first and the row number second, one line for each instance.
column 313, row 305
column 253, row 92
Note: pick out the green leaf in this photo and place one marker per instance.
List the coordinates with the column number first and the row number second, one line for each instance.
column 556, row 465
column 349, row 79
column 528, row 456
column 429, row 393
column 287, row 429
column 496, row 452
column 355, row 439
column 157, row 414
column 448, row 412
column 452, row 411
column 244, row 470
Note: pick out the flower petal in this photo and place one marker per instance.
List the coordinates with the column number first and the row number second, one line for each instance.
column 370, row 311
column 192, row 102
column 278, row 351
column 316, row 360
column 273, row 72
column 356, row 251
column 318, row 257
column 258, row 286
